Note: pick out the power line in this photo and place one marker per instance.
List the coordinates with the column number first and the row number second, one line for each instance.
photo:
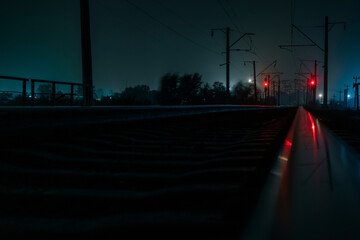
column 238, row 20
column 170, row 28
column 184, row 20
column 251, row 45
column 131, row 22
column 228, row 15
column 231, row 18
column 250, row 41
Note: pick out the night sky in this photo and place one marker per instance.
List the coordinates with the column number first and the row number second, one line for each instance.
column 138, row 41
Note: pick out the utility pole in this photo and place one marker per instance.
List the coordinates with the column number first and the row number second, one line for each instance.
column 340, row 92
column 279, row 90
column 325, row 50
column 356, row 86
column 254, row 71
column 273, row 88
column 228, row 63
column 315, row 76
column 307, row 92
column 271, row 81
column 228, row 49
column 266, row 88
column 312, row 84
column 255, row 90
column 326, row 57
column 346, row 91
column 86, row 53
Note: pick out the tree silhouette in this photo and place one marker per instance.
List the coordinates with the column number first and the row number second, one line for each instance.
column 241, row 93
column 44, row 90
column 189, row 88
column 169, row 89
column 5, row 98
column 138, row 95
column 206, row 94
column 219, row 93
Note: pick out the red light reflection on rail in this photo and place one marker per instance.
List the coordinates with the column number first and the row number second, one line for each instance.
column 312, row 126
column 284, row 184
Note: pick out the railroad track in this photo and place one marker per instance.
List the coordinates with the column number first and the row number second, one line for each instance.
column 176, row 177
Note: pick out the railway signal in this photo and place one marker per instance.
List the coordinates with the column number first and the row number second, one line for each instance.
column 312, row 85
column 267, row 88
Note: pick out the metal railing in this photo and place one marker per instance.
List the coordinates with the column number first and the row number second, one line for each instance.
column 53, row 88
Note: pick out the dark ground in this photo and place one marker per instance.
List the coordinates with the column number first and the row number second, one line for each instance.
column 194, row 177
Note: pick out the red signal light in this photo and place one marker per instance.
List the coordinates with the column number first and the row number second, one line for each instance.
column 312, row 82
column 265, row 84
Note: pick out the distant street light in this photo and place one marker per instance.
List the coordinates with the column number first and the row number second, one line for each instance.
column 348, row 95
column 250, row 80
column 320, row 97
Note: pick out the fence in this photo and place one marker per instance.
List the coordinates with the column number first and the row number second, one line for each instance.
column 53, row 88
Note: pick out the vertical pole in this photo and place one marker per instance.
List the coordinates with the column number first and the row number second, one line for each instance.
column 345, row 98
column 228, row 64
column 279, row 91
column 307, row 91
column 255, row 90
column 265, row 98
column 86, row 52
column 356, row 92
column 357, row 97
column 273, row 88
column 32, row 92
column 340, row 92
column 72, row 94
column 315, row 78
column 24, row 92
column 268, row 89
column 265, row 91
column 53, row 93
column 326, row 56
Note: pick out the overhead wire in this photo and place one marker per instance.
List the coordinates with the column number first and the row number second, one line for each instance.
column 252, row 44
column 292, row 20
column 118, row 16
column 241, row 28
column 171, row 29
column 184, row 20
column 231, row 19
